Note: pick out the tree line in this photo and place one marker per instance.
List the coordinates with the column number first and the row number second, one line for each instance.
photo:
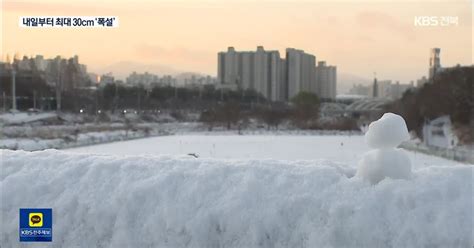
column 217, row 107
column 449, row 93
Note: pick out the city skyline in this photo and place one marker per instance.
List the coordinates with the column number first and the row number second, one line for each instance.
column 358, row 38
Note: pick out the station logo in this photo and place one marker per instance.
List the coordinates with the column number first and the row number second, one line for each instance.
column 36, row 225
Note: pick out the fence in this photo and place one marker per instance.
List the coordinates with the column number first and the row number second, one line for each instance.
column 461, row 154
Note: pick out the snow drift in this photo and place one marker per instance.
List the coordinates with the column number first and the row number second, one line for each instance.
column 164, row 201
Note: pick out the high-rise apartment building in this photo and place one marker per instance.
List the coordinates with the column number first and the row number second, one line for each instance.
column 260, row 71
column 435, row 62
column 277, row 79
column 326, row 80
column 228, row 67
column 300, row 72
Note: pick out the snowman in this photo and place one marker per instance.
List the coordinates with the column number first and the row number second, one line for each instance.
column 385, row 159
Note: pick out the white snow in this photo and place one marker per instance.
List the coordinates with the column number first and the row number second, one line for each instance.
column 267, row 190
column 82, row 139
column 336, row 148
column 387, row 132
column 385, row 160
column 181, row 201
column 33, row 138
column 23, row 117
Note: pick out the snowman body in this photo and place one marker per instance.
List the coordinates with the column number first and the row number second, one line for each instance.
column 385, row 159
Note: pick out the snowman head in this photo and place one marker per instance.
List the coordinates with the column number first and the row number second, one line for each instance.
column 387, row 132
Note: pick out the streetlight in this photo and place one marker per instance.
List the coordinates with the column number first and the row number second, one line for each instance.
column 13, row 89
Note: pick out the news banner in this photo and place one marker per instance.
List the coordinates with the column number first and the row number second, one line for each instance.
column 69, row 21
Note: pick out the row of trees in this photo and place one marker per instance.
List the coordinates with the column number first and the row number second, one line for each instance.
column 116, row 96
column 303, row 112
column 30, row 87
column 232, row 109
column 33, row 91
column 450, row 93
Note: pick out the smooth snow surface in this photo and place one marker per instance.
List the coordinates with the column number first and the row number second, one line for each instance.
column 387, row 132
column 337, row 148
column 181, row 201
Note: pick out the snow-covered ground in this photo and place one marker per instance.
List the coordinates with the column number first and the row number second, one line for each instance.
column 40, row 137
column 337, row 148
column 25, row 117
column 82, row 139
column 227, row 190
column 181, row 201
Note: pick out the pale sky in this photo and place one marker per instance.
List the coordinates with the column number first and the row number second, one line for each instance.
column 359, row 37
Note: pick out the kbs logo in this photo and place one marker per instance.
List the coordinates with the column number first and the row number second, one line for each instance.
column 36, row 225
column 436, row 21
column 426, row 21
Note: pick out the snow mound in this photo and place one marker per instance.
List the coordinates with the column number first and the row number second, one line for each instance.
column 387, row 132
column 165, row 201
